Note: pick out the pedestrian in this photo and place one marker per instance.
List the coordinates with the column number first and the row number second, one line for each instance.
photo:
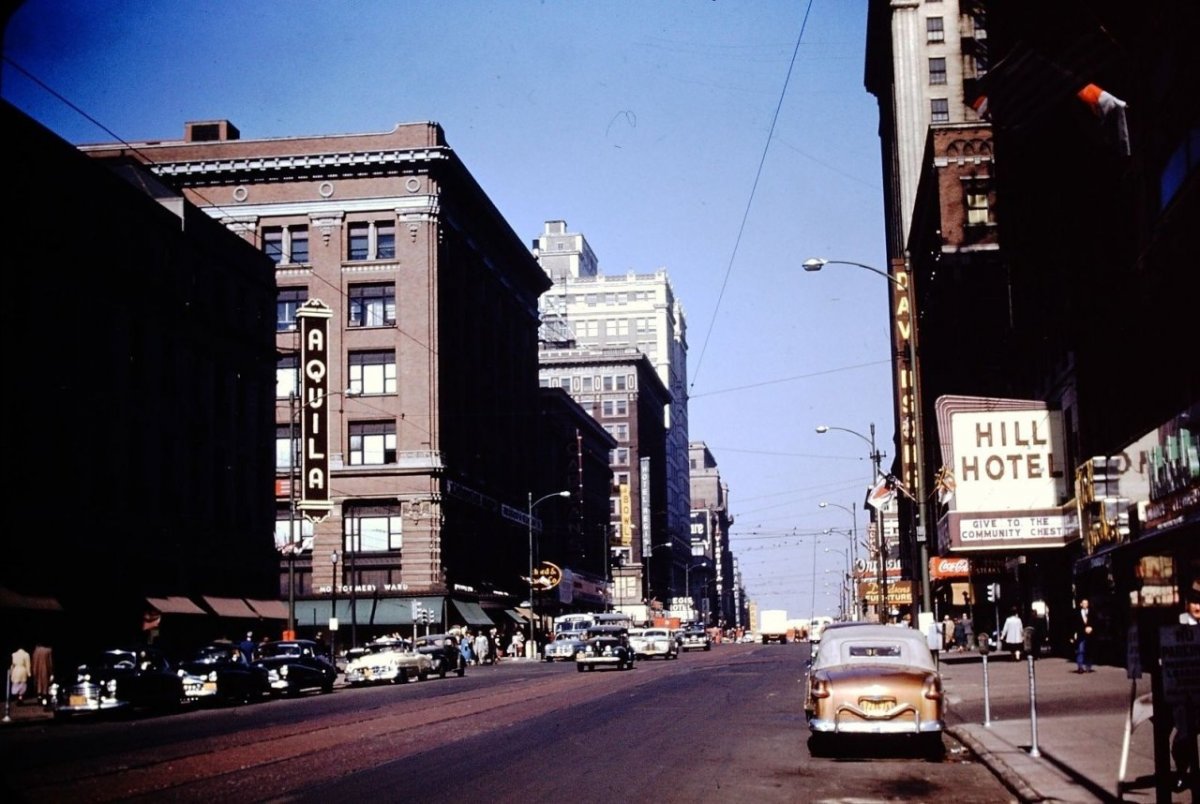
column 517, row 646
column 947, row 632
column 960, row 633
column 18, row 674
column 246, row 646
column 43, row 671
column 481, row 648
column 1083, row 633
column 968, row 631
column 464, row 647
column 1184, row 715
column 1012, row 635
column 493, row 646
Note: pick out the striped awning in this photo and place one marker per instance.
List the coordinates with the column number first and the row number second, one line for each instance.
column 174, row 605
column 232, row 607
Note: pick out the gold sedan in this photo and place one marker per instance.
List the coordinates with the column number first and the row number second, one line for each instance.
column 874, row 680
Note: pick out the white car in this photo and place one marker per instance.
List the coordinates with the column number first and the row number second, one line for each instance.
column 388, row 661
column 649, row 642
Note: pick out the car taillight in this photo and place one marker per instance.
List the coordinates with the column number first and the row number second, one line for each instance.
column 933, row 688
column 820, row 688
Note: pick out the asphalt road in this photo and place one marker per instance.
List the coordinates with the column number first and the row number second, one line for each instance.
column 725, row 725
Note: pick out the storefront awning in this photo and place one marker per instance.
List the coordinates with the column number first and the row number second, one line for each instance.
column 368, row 611
column 472, row 614
column 15, row 600
column 515, row 616
column 269, row 609
column 232, row 607
column 174, row 605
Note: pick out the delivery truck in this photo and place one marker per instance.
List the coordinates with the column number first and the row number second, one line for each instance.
column 773, row 626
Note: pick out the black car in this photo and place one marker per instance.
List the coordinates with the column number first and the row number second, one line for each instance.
column 605, row 646
column 218, row 672
column 121, row 678
column 444, row 650
column 293, row 666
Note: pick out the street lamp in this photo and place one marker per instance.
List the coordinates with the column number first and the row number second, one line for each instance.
column 853, row 539
column 294, row 410
column 529, row 522
column 917, row 431
column 333, row 621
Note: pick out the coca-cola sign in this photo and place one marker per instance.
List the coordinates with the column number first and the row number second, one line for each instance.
column 949, row 567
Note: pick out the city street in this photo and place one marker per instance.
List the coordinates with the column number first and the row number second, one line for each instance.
column 722, row 725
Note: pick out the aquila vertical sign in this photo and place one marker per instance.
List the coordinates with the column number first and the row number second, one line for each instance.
column 314, row 503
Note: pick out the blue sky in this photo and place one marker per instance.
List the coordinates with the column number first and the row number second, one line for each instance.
column 643, row 125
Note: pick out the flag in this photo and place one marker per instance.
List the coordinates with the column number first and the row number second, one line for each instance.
column 881, row 493
column 944, row 483
column 1110, row 110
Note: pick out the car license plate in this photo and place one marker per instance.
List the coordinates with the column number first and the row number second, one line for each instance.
column 77, row 700
column 876, row 707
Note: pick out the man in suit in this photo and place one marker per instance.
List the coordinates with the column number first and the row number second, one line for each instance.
column 1083, row 630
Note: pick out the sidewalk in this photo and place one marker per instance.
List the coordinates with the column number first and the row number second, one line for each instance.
column 1080, row 728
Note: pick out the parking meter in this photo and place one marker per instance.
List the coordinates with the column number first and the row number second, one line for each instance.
column 1028, row 646
column 985, row 645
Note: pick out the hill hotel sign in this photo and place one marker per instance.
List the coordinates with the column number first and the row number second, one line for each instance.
column 1005, row 459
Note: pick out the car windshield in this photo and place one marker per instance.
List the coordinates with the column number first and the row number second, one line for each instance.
column 387, row 647
column 275, row 649
column 114, row 660
column 890, row 651
column 213, row 654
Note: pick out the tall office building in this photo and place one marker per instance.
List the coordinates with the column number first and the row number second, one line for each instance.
column 587, row 310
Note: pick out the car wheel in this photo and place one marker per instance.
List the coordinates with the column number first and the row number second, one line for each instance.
column 820, row 744
column 579, row 666
column 402, row 676
column 442, row 671
column 327, row 688
column 422, row 675
column 461, row 671
column 932, row 747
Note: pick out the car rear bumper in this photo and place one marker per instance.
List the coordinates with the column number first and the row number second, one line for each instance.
column 859, row 726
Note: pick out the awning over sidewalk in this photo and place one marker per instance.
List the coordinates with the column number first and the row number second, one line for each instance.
column 174, row 605
column 232, row 607
column 368, row 611
column 15, row 600
column 515, row 616
column 472, row 613
column 269, row 609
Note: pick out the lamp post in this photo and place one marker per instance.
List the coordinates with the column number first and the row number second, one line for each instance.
column 294, row 409
column 333, row 620
column 846, row 575
column 529, row 521
column 918, row 433
column 853, row 537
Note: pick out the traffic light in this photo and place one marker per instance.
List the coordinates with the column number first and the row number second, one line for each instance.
column 993, row 592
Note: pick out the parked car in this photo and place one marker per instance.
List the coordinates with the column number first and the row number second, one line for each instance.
column 695, row 639
column 296, row 665
column 564, row 647
column 649, row 642
column 388, row 661
column 120, row 678
column 605, row 646
column 442, row 649
column 218, row 672
column 875, row 681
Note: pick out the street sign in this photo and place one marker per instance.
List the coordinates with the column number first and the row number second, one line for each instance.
column 899, row 593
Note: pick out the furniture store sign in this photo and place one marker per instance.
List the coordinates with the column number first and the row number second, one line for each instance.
column 1005, row 480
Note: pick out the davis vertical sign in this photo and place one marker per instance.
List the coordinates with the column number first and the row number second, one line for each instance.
column 313, row 318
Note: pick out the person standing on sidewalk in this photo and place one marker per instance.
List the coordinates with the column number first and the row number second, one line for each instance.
column 43, row 671
column 18, row 674
column 1184, row 715
column 1012, row 635
column 1083, row 632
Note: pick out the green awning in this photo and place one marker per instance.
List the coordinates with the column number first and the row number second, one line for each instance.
column 472, row 614
column 368, row 611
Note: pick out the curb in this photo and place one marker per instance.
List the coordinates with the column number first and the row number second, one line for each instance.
column 1003, row 771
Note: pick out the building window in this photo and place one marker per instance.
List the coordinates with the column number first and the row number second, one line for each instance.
column 373, row 305
column 586, row 384
column 302, row 529
column 622, row 383
column 620, row 479
column 565, row 384
column 286, row 245
column 373, row 533
column 371, row 240
column 287, row 376
column 287, row 302
column 373, row 372
column 372, row 443
column 935, row 29
column 621, row 432
column 979, row 212
column 285, row 446
column 619, row 456
column 937, row 70
column 939, row 110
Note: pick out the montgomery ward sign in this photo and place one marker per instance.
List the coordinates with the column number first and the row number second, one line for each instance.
column 314, row 503
column 1004, row 460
